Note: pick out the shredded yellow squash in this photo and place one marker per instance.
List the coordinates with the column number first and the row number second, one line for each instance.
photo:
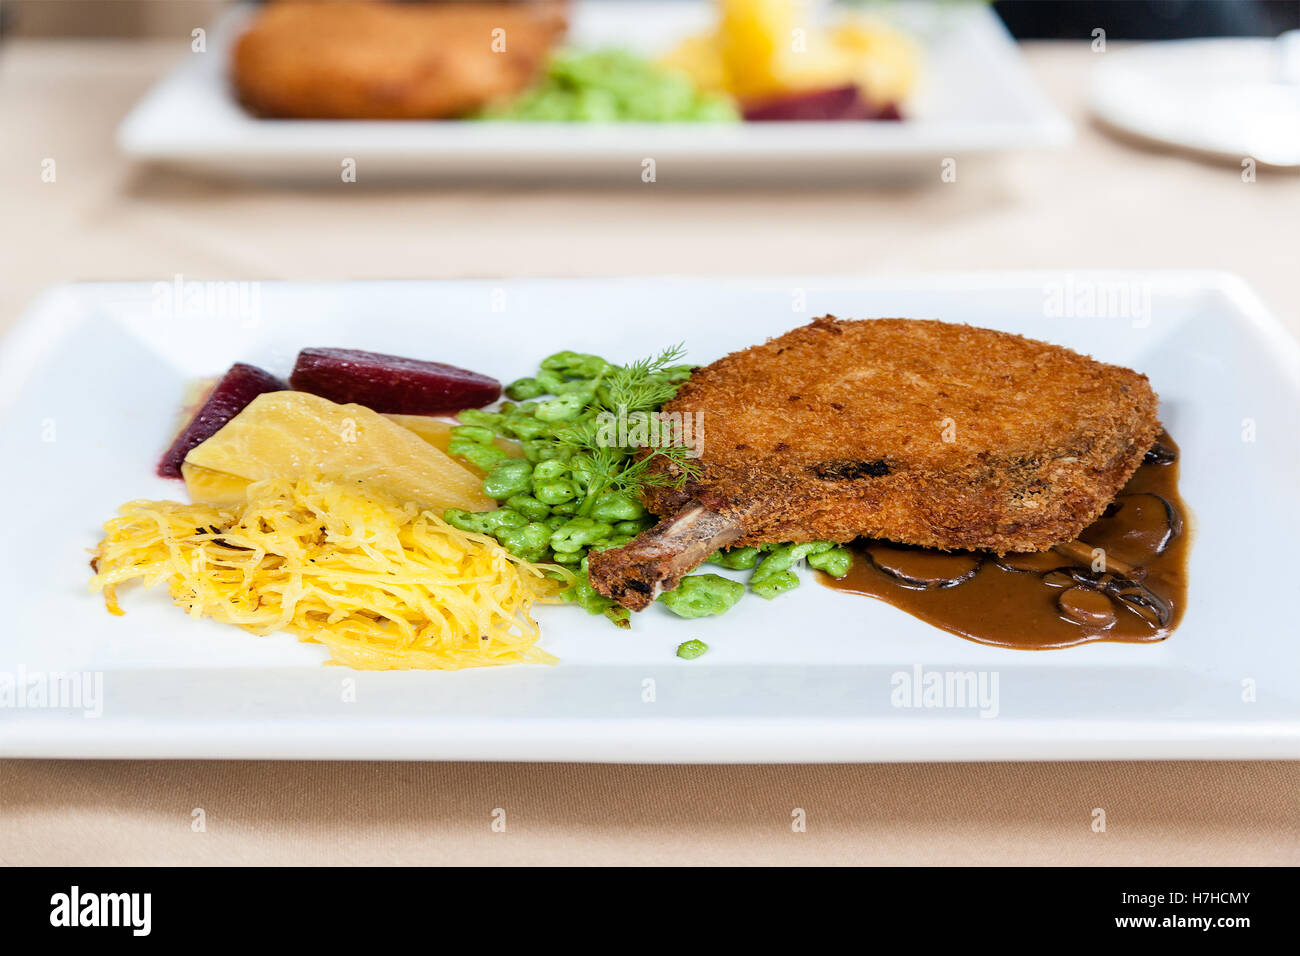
column 384, row 586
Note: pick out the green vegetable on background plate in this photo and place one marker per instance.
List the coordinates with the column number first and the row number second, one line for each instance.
column 604, row 86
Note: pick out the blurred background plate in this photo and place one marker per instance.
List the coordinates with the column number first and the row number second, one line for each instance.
column 976, row 97
column 1231, row 98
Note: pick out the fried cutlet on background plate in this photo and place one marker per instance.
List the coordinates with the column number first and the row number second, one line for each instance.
column 344, row 59
column 920, row 432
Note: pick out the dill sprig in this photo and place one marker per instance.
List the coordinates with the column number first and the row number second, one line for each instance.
column 642, row 386
column 638, row 388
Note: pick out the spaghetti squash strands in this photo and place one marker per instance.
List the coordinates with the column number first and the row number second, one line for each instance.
column 382, row 585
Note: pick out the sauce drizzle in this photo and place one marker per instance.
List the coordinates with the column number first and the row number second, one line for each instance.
column 1123, row 579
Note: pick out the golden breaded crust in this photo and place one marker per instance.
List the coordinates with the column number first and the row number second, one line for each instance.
column 921, row 432
column 344, row 59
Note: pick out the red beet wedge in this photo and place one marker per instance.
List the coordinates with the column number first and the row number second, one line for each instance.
column 390, row 383
column 237, row 388
column 843, row 103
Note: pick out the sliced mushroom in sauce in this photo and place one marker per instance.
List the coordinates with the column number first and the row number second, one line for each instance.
column 924, row 568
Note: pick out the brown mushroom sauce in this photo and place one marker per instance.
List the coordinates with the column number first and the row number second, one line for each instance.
column 1123, row 579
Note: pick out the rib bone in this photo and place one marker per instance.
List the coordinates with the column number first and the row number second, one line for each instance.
column 641, row 570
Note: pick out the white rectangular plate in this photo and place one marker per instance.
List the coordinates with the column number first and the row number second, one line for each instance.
column 976, row 97
column 90, row 383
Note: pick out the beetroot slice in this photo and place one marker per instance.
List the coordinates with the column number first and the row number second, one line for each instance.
column 228, row 398
column 390, row 383
column 842, row 103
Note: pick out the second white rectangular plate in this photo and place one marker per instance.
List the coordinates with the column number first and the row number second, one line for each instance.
column 90, row 384
column 976, row 97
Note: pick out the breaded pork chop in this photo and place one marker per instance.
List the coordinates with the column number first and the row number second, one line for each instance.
column 920, row 432
column 344, row 59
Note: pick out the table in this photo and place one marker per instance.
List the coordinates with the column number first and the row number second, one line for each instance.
column 1102, row 203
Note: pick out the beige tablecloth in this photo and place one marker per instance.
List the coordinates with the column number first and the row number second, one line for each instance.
column 1099, row 204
